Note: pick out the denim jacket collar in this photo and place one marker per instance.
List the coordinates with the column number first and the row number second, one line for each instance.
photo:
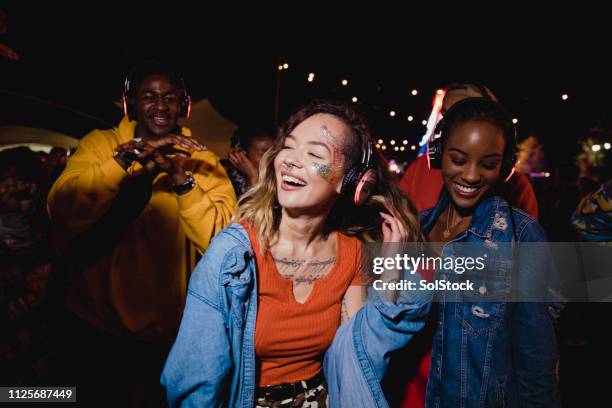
column 482, row 221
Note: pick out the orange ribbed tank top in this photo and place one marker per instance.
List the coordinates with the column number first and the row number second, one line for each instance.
column 291, row 338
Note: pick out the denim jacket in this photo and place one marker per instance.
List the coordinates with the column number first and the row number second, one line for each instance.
column 495, row 353
column 212, row 362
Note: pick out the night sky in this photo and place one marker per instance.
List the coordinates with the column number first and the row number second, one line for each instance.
column 529, row 55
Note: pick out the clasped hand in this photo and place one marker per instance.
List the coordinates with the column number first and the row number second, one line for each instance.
column 166, row 154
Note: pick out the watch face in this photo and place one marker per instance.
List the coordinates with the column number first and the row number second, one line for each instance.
column 186, row 186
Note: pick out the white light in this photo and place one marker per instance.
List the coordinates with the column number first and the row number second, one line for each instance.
column 402, row 148
column 546, row 174
column 311, row 74
column 405, row 141
column 354, row 99
column 424, row 122
column 380, row 141
column 280, row 67
column 515, row 121
column 377, row 146
column 413, row 147
column 410, row 118
column 344, row 82
column 384, row 147
column 396, row 148
column 607, row 146
column 310, row 79
column 285, row 65
column 392, row 113
column 564, row 97
column 414, row 92
column 393, row 167
column 439, row 91
column 596, row 147
column 392, row 142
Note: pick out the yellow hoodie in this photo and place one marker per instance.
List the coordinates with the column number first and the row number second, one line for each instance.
column 140, row 288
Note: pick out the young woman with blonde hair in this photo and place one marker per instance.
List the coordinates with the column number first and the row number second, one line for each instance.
column 265, row 304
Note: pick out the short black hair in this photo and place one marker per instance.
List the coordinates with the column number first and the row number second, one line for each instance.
column 479, row 110
column 147, row 68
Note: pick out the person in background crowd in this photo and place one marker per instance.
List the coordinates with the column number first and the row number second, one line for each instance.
column 26, row 354
column 423, row 185
column 248, row 145
column 592, row 218
column 592, row 222
column 54, row 164
column 136, row 200
column 58, row 156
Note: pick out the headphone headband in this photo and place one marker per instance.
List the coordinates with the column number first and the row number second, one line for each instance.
column 367, row 153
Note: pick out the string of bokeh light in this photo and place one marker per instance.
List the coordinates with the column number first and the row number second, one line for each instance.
column 597, row 147
column 410, row 118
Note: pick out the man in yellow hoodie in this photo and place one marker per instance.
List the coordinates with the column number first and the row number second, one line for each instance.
column 135, row 200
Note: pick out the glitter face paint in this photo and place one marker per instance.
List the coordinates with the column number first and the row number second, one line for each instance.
column 324, row 170
column 329, row 172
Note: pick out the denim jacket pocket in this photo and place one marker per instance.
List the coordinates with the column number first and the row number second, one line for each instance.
column 483, row 309
column 237, row 279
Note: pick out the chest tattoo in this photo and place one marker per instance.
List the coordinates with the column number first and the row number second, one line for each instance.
column 302, row 270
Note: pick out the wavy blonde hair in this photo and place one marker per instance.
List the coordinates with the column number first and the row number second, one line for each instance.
column 259, row 207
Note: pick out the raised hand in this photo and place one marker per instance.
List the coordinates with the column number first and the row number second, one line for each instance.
column 240, row 160
column 393, row 230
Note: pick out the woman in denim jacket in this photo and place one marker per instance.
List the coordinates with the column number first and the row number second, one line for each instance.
column 322, row 191
column 488, row 351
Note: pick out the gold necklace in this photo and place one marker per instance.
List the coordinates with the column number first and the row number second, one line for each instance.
column 447, row 233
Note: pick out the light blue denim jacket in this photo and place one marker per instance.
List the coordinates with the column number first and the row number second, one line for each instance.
column 212, row 362
column 489, row 352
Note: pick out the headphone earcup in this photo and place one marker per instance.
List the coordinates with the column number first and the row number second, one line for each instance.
column 358, row 184
column 511, row 153
column 349, row 184
column 129, row 107
column 185, row 109
column 124, row 101
column 434, row 153
column 365, row 186
column 508, row 166
column 434, row 146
